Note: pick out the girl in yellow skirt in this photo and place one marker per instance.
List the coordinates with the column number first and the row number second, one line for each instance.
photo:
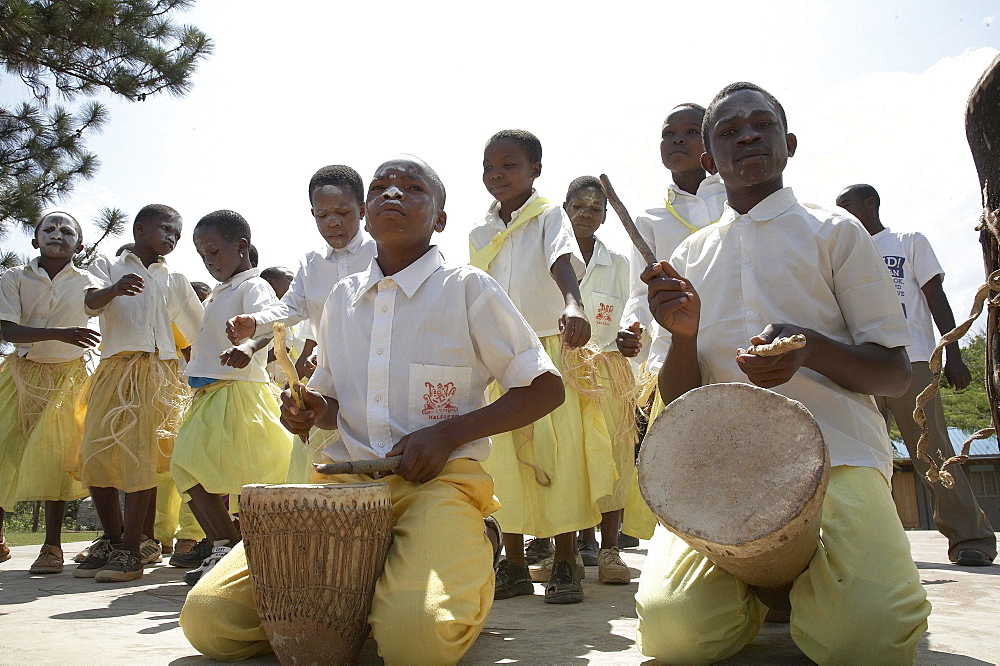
column 600, row 369
column 41, row 313
column 231, row 435
column 549, row 475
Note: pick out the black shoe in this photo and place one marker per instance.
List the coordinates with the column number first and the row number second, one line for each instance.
column 194, row 557
column 538, row 549
column 512, row 580
column 588, row 550
column 627, row 541
column 564, row 586
column 970, row 557
column 100, row 554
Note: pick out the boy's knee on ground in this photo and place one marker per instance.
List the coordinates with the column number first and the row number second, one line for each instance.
column 409, row 630
column 220, row 628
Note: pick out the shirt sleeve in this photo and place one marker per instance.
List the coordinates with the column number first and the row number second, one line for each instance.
column 184, row 308
column 10, row 297
column 99, row 272
column 291, row 309
column 258, row 296
column 923, row 261
column 559, row 239
column 322, row 377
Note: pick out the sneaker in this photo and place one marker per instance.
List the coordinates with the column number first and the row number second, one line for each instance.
column 150, row 550
column 4, row 550
column 98, row 556
column 969, row 557
column 564, row 587
column 49, row 561
column 611, row 568
column 123, row 566
column 83, row 554
column 538, row 549
column 193, row 557
column 182, row 546
column 542, row 572
column 588, row 550
column 219, row 551
column 512, row 580
column 494, row 526
column 627, row 541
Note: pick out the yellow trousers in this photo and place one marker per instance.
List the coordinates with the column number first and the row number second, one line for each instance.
column 858, row 602
column 174, row 519
column 431, row 601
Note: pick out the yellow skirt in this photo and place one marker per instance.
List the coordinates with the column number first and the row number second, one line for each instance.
column 231, row 437
column 135, row 402
column 638, row 520
column 40, row 430
column 548, row 476
column 304, row 454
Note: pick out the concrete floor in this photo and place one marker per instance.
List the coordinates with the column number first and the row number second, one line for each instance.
column 58, row 619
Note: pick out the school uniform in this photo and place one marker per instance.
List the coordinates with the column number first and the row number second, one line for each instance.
column 39, row 385
column 860, row 598
column 912, row 264
column 136, row 397
column 549, row 475
column 231, row 435
column 414, row 348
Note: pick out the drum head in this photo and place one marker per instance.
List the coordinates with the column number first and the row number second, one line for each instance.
column 731, row 463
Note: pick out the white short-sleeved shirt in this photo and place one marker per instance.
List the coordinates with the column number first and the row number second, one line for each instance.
column 141, row 323
column 315, row 277
column 244, row 292
column 784, row 262
column 605, row 290
column 523, row 265
column 29, row 298
column 418, row 347
column 912, row 264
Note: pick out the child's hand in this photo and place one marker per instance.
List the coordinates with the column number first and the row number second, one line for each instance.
column 299, row 421
column 628, row 340
column 239, row 328
column 574, row 326
column 957, row 373
column 424, row 454
column 81, row 337
column 236, row 357
column 305, row 365
column 672, row 300
column 129, row 285
column 770, row 371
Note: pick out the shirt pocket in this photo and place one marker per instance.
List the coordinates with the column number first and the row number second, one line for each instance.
column 605, row 314
column 437, row 392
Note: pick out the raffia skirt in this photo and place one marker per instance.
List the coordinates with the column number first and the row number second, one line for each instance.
column 615, row 377
column 135, row 402
column 40, row 430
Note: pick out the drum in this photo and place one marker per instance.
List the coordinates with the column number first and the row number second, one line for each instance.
column 314, row 553
column 739, row 473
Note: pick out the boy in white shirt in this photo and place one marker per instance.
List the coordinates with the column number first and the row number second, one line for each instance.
column 918, row 276
column 404, row 374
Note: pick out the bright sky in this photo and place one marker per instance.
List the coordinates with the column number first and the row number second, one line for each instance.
column 875, row 91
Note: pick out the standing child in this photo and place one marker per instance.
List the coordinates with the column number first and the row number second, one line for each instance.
column 605, row 289
column 42, row 315
column 231, row 435
column 548, row 477
column 771, row 268
column 136, row 397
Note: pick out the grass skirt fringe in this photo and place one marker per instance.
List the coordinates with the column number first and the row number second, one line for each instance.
column 135, row 402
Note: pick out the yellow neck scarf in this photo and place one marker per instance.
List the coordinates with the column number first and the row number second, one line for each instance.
column 670, row 207
column 481, row 258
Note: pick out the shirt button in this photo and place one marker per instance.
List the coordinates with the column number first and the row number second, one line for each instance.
column 746, row 261
column 749, row 313
column 378, row 351
column 384, row 308
column 378, row 398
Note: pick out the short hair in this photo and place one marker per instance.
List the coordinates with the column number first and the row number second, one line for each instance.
column 584, row 182
column 428, row 169
column 709, row 120
column 127, row 246
column 76, row 223
column 864, row 190
column 276, row 273
column 686, row 105
column 201, row 288
column 341, row 176
column 528, row 142
column 155, row 212
column 228, row 223
column 253, row 255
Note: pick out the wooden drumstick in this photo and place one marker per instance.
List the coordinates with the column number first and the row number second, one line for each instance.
column 779, row 346
column 370, row 467
column 291, row 376
column 633, row 233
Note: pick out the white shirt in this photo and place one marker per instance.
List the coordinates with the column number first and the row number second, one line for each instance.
column 29, row 298
column 315, row 277
column 244, row 292
column 417, row 347
column 605, row 290
column 912, row 264
column 523, row 264
column 784, row 262
column 142, row 322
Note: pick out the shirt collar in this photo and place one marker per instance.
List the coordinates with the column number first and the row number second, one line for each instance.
column 673, row 191
column 601, row 254
column 409, row 279
column 771, row 207
column 34, row 266
column 350, row 248
column 237, row 279
column 494, row 212
column 128, row 255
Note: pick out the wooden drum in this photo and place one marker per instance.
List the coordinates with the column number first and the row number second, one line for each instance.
column 314, row 553
column 739, row 473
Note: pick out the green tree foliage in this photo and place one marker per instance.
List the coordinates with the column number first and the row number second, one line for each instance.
column 80, row 48
column 969, row 409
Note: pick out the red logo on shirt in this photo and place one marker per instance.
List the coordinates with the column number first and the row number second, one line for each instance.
column 604, row 314
column 437, row 401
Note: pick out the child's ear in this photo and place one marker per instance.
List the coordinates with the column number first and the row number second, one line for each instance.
column 243, row 244
column 34, row 243
column 361, row 209
column 79, row 248
column 441, row 221
column 792, row 142
column 536, row 169
column 708, row 163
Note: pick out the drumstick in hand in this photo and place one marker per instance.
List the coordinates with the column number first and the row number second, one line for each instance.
column 633, row 233
column 370, row 467
column 778, row 347
column 291, row 376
